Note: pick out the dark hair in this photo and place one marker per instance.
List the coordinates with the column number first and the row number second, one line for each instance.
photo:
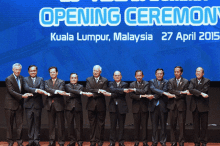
column 32, row 66
column 139, row 71
column 181, row 69
column 159, row 69
column 201, row 68
column 115, row 71
column 74, row 73
column 52, row 68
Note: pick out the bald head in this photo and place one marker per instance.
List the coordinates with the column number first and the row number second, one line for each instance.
column 117, row 76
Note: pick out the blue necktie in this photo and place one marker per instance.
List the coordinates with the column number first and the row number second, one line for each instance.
column 158, row 100
column 18, row 82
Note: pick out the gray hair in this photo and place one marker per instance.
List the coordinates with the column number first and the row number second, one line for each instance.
column 16, row 64
column 98, row 66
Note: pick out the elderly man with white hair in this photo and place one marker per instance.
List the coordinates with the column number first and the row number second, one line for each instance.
column 14, row 104
column 96, row 105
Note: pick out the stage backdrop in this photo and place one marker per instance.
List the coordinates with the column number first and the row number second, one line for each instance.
column 124, row 35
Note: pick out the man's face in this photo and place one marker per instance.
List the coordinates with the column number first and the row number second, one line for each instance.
column 16, row 70
column 53, row 73
column 159, row 75
column 73, row 79
column 199, row 73
column 96, row 72
column 32, row 71
column 117, row 76
column 139, row 76
column 177, row 73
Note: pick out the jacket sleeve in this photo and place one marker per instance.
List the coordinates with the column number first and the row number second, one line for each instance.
column 136, row 95
column 117, row 91
column 11, row 90
column 31, row 89
column 157, row 92
column 73, row 91
column 196, row 92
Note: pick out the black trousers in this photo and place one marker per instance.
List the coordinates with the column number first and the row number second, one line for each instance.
column 159, row 116
column 181, row 117
column 97, row 125
column 10, row 116
column 140, row 120
column 114, row 118
column 78, row 117
column 34, row 123
column 54, row 115
column 200, row 118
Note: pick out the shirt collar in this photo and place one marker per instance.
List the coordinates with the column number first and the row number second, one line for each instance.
column 15, row 76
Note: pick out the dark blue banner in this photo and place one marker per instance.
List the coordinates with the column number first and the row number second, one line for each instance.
column 124, row 35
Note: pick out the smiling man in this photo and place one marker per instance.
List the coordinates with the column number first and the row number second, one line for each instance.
column 177, row 105
column 158, row 107
column 117, row 107
column 14, row 104
column 96, row 105
column 33, row 104
column 199, row 106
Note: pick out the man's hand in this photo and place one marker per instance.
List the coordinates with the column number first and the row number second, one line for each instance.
column 67, row 94
column 132, row 89
column 89, row 94
column 127, row 90
column 61, row 92
column 188, row 93
column 169, row 95
column 150, row 97
column 26, row 95
column 184, row 92
column 204, row 95
column 101, row 91
column 107, row 94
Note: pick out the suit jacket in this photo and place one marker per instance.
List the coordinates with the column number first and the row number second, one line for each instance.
column 58, row 99
column 197, row 100
column 180, row 99
column 98, row 99
column 137, row 102
column 157, row 91
column 118, row 95
column 74, row 100
column 13, row 98
column 36, row 100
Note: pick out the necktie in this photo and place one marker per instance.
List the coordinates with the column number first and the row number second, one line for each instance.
column 178, row 81
column 33, row 80
column 158, row 100
column 18, row 82
column 96, row 80
column 199, row 82
column 54, row 82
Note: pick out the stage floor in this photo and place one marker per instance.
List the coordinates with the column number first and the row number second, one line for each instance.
column 107, row 143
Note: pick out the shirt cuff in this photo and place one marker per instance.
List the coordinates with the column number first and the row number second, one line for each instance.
column 55, row 91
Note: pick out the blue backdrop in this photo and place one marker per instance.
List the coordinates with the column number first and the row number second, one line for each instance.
column 24, row 40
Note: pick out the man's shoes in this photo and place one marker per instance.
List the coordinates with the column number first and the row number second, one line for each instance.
column 10, row 144
column 80, row 143
column 61, row 144
column 203, row 144
column 154, row 144
column 30, row 144
column 92, row 144
column 197, row 144
column 136, row 144
column 181, row 144
column 36, row 144
column 71, row 144
column 121, row 144
column 145, row 144
column 174, row 144
column 163, row 144
column 52, row 143
column 100, row 144
column 111, row 144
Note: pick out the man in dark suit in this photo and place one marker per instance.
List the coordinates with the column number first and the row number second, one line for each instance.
column 14, row 104
column 55, row 106
column 140, row 100
column 33, row 104
column 199, row 106
column 177, row 105
column 74, row 110
column 96, row 105
column 158, row 107
column 117, row 107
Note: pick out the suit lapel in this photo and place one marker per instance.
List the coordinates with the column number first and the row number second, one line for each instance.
column 175, row 83
column 161, row 84
column 15, row 82
column 30, row 81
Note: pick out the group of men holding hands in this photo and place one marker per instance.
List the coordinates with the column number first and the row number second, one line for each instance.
column 157, row 97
